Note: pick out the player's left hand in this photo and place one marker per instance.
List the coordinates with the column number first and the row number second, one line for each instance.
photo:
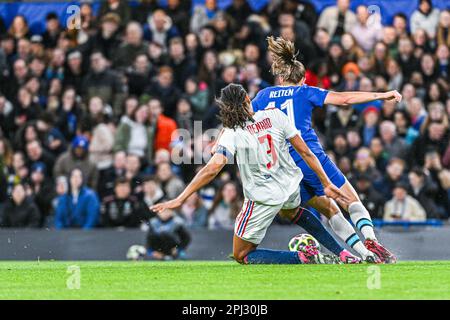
column 172, row 204
column 335, row 193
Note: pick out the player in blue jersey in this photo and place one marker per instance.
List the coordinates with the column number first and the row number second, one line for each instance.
column 298, row 100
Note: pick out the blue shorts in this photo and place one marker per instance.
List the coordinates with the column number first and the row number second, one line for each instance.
column 311, row 185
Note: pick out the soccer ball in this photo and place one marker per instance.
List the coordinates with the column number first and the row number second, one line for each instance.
column 305, row 243
column 136, row 252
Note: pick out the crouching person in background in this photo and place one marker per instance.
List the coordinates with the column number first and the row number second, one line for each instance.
column 122, row 209
column 167, row 237
column 79, row 207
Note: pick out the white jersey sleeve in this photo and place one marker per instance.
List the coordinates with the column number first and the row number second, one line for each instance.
column 227, row 143
column 283, row 122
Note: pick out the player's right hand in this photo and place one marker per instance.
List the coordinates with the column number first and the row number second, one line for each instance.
column 172, row 204
column 393, row 95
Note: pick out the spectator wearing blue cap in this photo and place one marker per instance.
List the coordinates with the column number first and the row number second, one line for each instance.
column 79, row 207
column 77, row 157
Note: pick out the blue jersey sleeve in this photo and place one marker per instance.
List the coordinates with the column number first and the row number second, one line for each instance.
column 316, row 95
column 255, row 105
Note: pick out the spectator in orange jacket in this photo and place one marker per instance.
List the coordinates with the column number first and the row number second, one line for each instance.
column 165, row 127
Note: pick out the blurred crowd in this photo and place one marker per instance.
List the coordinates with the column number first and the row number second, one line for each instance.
column 91, row 115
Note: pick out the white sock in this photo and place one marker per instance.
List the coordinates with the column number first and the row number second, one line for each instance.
column 361, row 219
column 345, row 231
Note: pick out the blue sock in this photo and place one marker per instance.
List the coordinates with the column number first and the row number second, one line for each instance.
column 308, row 221
column 267, row 256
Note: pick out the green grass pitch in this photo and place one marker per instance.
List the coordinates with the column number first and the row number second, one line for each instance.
column 223, row 280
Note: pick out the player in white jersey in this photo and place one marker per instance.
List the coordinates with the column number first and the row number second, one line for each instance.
column 270, row 178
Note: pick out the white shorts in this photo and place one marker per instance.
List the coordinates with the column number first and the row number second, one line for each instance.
column 255, row 217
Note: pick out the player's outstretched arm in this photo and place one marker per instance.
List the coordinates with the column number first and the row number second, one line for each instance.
column 202, row 178
column 330, row 189
column 355, row 97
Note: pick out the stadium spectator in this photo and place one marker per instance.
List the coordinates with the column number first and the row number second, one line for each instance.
column 132, row 46
column 198, row 95
column 123, row 209
column 52, row 31
column 435, row 137
column 20, row 211
column 423, row 189
column 74, row 72
column 160, row 29
column 164, row 89
column 138, row 74
column 151, row 191
column 6, row 159
column 106, row 39
column 402, row 123
column 343, row 119
column 337, row 19
column 88, row 20
column 433, row 168
column 167, row 236
column 403, row 207
column 108, row 175
column 79, row 206
column 182, row 67
column 133, row 173
column 135, row 135
column 194, row 212
column 393, row 145
column 394, row 174
column 179, row 12
column 104, row 83
column 77, row 157
column 68, row 114
column 17, row 172
column 225, row 207
column 367, row 29
column 52, row 138
column 35, row 153
column 41, row 189
column 400, row 24
column 172, row 185
column 19, row 28
column 101, row 133
column 365, row 164
column 443, row 35
column 165, row 126
column 371, row 198
column 425, row 17
column 202, row 15
column 118, row 7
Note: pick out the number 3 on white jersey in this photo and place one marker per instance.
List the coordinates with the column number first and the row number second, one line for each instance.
column 271, row 151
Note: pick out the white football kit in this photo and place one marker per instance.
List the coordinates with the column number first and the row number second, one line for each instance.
column 270, row 178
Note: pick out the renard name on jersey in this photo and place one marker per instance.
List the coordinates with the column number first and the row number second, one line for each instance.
column 262, row 125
